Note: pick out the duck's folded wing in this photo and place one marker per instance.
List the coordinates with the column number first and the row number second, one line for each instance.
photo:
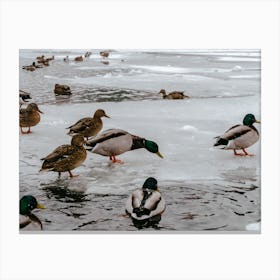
column 152, row 201
column 235, row 132
column 80, row 123
column 105, row 135
column 59, row 153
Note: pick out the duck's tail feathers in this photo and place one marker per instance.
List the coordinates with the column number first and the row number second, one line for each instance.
column 221, row 142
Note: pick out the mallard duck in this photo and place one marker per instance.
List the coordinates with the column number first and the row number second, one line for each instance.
column 40, row 57
column 27, row 220
column 50, row 58
column 88, row 54
column 114, row 142
column 29, row 116
column 173, row 94
column 88, row 126
column 31, row 67
column 105, row 62
column 104, row 54
column 79, row 58
column 62, row 90
column 240, row 136
column 23, row 97
column 146, row 205
column 66, row 59
column 66, row 157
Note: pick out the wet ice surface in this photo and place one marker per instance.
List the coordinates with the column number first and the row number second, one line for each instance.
column 204, row 188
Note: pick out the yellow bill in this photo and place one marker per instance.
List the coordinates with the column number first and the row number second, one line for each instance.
column 159, row 154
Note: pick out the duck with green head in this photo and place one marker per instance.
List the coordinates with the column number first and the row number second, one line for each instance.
column 27, row 220
column 114, row 142
column 240, row 136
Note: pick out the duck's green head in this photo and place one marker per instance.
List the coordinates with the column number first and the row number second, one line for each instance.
column 249, row 119
column 27, row 204
column 150, row 183
column 152, row 147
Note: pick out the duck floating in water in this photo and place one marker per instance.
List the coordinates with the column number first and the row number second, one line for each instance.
column 104, row 54
column 62, row 90
column 27, row 220
column 29, row 116
column 79, row 58
column 145, row 206
column 88, row 126
column 66, row 157
column 66, row 59
column 173, row 94
column 240, row 136
column 23, row 97
column 88, row 54
column 114, row 142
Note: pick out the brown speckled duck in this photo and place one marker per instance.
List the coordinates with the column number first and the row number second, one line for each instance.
column 62, row 90
column 173, row 94
column 66, row 157
column 88, row 126
column 79, row 58
column 104, row 54
column 29, row 116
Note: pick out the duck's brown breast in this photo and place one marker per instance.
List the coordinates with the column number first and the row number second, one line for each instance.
column 29, row 119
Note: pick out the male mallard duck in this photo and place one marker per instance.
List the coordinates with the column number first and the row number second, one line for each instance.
column 173, row 94
column 146, row 205
column 88, row 126
column 240, row 136
column 31, row 67
column 66, row 157
column 104, row 54
column 113, row 142
column 23, row 97
column 29, row 116
column 88, row 54
column 79, row 58
column 62, row 90
column 27, row 220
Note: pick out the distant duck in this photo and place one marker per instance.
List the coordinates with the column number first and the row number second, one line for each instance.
column 40, row 57
column 88, row 54
column 240, row 136
column 104, row 54
column 106, row 62
column 145, row 206
column 114, row 142
column 29, row 116
column 27, row 220
column 79, row 58
column 88, row 126
column 31, row 67
column 62, row 90
column 66, row 59
column 50, row 58
column 23, row 97
column 173, row 94
column 66, row 157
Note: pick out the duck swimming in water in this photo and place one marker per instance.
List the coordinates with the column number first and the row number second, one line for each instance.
column 114, row 142
column 240, row 136
column 27, row 220
column 145, row 206
column 173, row 94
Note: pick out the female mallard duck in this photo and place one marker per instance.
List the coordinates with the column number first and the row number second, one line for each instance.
column 240, row 136
column 29, row 116
column 79, row 58
column 146, row 205
column 173, row 94
column 31, row 67
column 66, row 157
column 62, row 90
column 27, row 220
column 104, row 54
column 88, row 126
column 114, row 142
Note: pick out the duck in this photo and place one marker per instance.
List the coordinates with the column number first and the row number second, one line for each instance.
column 29, row 116
column 31, row 67
column 27, row 220
column 40, row 57
column 23, row 97
column 66, row 157
column 66, row 59
column 239, row 137
column 173, row 94
column 88, row 54
column 50, row 58
column 88, row 126
column 79, row 58
column 62, row 90
column 105, row 62
column 104, row 54
column 114, row 142
column 146, row 205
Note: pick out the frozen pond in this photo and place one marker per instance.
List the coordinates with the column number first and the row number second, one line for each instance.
column 204, row 188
